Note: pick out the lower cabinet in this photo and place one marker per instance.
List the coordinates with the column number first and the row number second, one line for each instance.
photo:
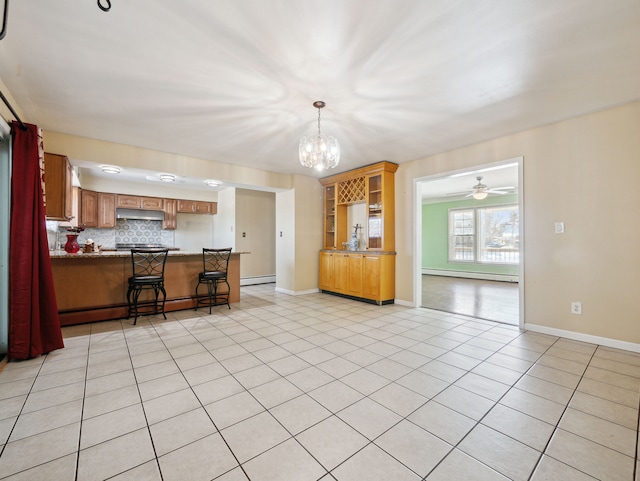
column 361, row 275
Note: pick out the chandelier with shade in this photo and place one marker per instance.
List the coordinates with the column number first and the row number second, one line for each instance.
column 319, row 151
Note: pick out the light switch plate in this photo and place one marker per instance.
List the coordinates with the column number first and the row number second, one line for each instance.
column 559, row 227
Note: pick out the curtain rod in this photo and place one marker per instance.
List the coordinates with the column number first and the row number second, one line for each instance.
column 13, row 112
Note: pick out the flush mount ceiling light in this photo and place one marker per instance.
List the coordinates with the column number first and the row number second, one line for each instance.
column 319, row 151
column 212, row 183
column 167, row 177
column 110, row 169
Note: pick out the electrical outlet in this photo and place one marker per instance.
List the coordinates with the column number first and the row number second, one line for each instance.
column 559, row 227
column 576, row 307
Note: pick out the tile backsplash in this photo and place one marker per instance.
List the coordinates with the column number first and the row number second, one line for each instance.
column 126, row 231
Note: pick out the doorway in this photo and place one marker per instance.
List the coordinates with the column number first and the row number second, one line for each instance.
column 468, row 242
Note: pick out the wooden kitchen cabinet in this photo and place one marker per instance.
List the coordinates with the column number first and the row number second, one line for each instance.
column 97, row 209
column 139, row 202
column 58, row 176
column 88, row 209
column 170, row 209
column 197, row 207
column 326, row 271
column 128, row 201
column 369, row 273
column 152, row 203
column 378, row 277
column 354, row 274
column 106, row 210
column 358, row 275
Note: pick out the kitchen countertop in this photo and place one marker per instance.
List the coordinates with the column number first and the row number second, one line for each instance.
column 61, row 254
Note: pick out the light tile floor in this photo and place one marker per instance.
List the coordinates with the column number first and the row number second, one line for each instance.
column 316, row 387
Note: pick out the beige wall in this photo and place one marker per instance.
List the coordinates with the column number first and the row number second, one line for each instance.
column 584, row 172
column 299, row 218
column 82, row 148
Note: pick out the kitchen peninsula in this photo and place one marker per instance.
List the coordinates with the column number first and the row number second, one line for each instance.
column 93, row 287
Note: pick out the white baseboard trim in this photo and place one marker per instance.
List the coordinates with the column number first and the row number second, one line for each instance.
column 297, row 293
column 471, row 275
column 400, row 302
column 250, row 281
column 579, row 336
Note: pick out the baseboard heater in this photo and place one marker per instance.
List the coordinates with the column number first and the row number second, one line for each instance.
column 253, row 280
column 472, row 275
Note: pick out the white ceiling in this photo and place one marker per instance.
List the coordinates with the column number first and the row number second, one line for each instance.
column 233, row 81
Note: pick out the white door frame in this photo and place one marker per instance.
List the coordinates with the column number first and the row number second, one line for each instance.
column 417, row 246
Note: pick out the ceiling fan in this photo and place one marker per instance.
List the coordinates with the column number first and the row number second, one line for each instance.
column 481, row 191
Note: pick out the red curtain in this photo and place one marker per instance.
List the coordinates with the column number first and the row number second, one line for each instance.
column 34, row 325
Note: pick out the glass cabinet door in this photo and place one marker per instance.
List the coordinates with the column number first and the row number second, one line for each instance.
column 330, row 217
column 374, row 210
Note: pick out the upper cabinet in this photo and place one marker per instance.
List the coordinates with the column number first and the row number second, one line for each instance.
column 170, row 221
column 88, row 211
column 372, row 186
column 58, row 189
column 197, row 207
column 97, row 209
column 106, row 210
column 139, row 202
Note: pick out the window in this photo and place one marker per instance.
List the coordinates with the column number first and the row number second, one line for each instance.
column 485, row 235
column 461, row 235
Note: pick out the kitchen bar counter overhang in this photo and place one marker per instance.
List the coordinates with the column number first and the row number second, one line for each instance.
column 93, row 286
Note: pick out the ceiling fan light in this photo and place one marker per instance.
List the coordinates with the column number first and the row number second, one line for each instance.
column 479, row 195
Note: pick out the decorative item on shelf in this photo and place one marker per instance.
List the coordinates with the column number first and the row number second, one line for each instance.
column 354, row 243
column 319, row 151
column 88, row 246
column 72, row 246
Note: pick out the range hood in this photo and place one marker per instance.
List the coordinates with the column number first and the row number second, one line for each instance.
column 136, row 214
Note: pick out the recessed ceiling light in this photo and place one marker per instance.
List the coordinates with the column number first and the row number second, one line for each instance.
column 167, row 177
column 110, row 169
column 212, row 183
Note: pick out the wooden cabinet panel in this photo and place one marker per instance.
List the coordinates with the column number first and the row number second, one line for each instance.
column 371, row 273
column 139, row 202
column 88, row 208
column 128, row 201
column 151, row 203
column 202, row 207
column 326, row 270
column 170, row 209
column 340, row 263
column 106, row 210
column 186, row 206
column 354, row 275
column 196, row 207
column 378, row 277
column 58, row 176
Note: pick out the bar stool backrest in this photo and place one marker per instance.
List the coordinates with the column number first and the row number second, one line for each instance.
column 148, row 263
column 216, row 260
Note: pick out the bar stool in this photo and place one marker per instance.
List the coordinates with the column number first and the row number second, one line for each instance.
column 148, row 274
column 215, row 265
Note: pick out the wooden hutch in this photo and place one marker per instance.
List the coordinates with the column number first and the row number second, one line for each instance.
column 367, row 273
